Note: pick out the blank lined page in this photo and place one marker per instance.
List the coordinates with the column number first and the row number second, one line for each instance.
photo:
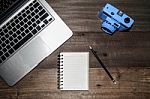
column 75, row 70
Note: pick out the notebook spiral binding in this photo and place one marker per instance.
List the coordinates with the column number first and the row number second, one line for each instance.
column 60, row 72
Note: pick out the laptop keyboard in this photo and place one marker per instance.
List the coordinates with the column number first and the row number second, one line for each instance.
column 22, row 28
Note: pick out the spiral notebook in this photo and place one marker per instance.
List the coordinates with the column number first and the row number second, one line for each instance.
column 73, row 71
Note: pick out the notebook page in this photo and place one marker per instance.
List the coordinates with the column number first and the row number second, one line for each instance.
column 75, row 70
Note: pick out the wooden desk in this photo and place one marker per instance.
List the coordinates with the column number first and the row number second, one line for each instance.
column 127, row 55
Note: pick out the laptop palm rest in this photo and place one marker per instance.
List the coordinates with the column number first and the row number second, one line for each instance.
column 24, row 61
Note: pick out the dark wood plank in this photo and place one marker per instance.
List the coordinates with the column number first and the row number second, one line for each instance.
column 121, row 49
column 132, row 83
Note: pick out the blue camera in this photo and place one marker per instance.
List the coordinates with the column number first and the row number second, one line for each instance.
column 114, row 20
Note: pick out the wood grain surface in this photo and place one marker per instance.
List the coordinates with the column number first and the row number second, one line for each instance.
column 132, row 83
column 126, row 55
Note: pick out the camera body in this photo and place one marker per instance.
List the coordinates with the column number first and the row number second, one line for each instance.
column 114, row 20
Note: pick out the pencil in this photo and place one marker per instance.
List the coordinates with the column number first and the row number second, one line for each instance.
column 92, row 50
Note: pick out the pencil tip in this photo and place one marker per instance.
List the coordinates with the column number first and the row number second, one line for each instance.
column 114, row 82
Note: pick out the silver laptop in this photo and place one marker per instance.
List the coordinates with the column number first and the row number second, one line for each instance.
column 30, row 30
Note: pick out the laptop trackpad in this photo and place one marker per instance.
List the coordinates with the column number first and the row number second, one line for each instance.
column 35, row 52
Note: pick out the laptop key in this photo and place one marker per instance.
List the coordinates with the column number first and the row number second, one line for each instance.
column 10, row 32
column 34, row 31
column 37, row 21
column 25, row 39
column 24, row 15
column 25, row 26
column 9, row 27
column 18, row 26
column 30, row 28
column 27, row 11
column 7, row 35
column 20, row 18
column 8, row 46
column 19, row 32
column 3, row 38
column 7, row 41
column 37, row 16
column 11, row 38
column 38, row 28
column 12, row 43
column 5, row 30
column 50, row 19
column 16, row 40
column 34, row 25
column 36, row 11
column 11, row 51
column 14, row 35
column 40, row 7
column 3, row 58
column 32, row 13
column 7, row 55
column 29, row 17
column 43, row 25
column 1, row 53
column 31, row 9
column 25, row 20
column 27, row 31
column 21, row 23
column 42, row 12
column 3, row 45
column 14, row 29
column 45, row 21
column 36, row 5
column 4, row 49
column 23, row 34
column 19, row 37
column 44, row 17
column 33, row 19
column 22, row 29
column 29, row 22
column 16, row 21
column 2, row 34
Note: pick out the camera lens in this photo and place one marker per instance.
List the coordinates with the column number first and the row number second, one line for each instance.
column 127, row 20
column 112, row 13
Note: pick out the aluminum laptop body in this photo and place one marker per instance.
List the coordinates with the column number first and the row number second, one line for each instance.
column 37, row 31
